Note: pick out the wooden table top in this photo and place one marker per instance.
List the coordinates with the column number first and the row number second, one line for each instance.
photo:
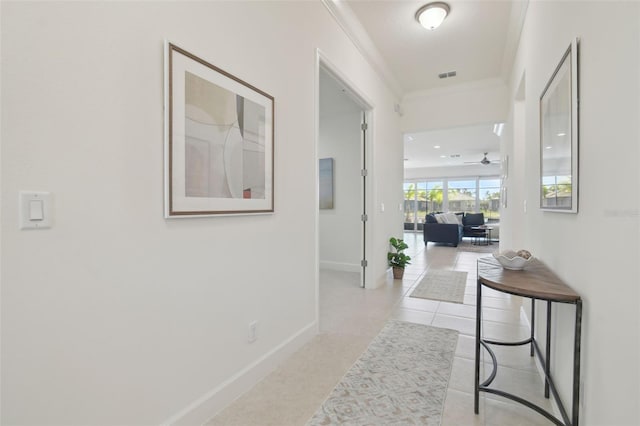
column 536, row 281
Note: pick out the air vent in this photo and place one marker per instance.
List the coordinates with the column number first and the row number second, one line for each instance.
column 455, row 155
column 447, row 74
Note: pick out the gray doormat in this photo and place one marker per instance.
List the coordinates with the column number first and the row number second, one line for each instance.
column 446, row 286
column 401, row 379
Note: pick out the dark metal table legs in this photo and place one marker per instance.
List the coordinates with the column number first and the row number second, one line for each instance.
column 549, row 385
column 478, row 316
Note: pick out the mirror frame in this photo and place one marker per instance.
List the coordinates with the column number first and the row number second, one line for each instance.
column 569, row 58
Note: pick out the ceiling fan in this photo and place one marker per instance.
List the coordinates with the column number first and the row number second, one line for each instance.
column 485, row 161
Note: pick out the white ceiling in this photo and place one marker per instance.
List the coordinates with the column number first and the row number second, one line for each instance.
column 471, row 40
column 469, row 142
column 478, row 40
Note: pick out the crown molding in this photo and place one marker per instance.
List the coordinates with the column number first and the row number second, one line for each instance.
column 347, row 20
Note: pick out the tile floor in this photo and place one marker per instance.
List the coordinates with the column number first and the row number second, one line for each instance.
column 349, row 319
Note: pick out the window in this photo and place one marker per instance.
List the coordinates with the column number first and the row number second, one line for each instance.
column 434, row 197
column 409, row 205
column 471, row 195
column 461, row 195
column 556, row 191
column 489, row 197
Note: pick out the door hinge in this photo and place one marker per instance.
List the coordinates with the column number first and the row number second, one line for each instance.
column 364, row 218
column 364, row 263
column 364, row 126
column 364, row 172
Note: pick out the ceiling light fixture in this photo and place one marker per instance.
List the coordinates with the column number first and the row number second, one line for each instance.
column 436, row 146
column 431, row 15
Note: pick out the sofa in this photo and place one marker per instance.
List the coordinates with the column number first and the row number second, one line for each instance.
column 471, row 220
column 445, row 233
column 452, row 232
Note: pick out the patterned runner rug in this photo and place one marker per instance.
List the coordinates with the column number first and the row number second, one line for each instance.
column 401, row 379
column 447, row 286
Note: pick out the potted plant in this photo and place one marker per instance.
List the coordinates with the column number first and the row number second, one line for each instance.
column 397, row 259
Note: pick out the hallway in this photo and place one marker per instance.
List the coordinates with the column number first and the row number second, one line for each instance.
column 349, row 319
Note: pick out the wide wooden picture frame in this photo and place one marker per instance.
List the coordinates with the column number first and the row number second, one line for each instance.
column 559, row 136
column 219, row 140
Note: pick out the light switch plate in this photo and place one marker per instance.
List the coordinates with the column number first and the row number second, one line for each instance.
column 31, row 217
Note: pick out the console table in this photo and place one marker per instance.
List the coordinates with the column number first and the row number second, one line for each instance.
column 536, row 282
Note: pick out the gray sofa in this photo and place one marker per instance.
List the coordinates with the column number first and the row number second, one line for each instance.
column 445, row 233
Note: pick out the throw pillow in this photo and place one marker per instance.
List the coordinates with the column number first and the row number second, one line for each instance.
column 430, row 219
column 460, row 216
column 451, row 218
column 440, row 218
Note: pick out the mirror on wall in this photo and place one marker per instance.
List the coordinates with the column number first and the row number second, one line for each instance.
column 559, row 136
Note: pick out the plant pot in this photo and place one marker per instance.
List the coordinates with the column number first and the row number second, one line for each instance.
column 398, row 273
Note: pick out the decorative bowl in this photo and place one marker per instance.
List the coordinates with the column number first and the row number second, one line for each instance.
column 510, row 259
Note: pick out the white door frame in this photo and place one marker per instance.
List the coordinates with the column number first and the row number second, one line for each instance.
column 325, row 65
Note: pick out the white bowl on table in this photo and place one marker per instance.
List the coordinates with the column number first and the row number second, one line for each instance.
column 510, row 259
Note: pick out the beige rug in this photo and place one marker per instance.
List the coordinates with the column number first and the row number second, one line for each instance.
column 401, row 379
column 446, row 286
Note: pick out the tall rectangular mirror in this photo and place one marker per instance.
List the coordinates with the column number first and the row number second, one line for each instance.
column 559, row 136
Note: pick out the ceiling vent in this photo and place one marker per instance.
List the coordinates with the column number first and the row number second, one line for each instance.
column 447, row 74
column 455, row 155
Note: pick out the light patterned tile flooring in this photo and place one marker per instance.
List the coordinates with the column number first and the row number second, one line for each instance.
column 350, row 317
column 502, row 320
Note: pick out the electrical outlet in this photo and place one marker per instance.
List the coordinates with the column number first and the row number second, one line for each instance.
column 253, row 332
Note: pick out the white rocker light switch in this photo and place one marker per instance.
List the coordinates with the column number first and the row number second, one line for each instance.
column 35, row 210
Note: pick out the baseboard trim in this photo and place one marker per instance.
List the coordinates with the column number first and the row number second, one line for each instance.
column 207, row 406
column 340, row 266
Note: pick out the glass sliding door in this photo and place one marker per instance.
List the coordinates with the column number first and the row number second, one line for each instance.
column 469, row 195
column 490, row 198
column 435, row 196
column 409, row 206
column 421, row 204
column 461, row 195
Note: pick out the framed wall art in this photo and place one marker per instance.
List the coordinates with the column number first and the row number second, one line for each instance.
column 325, row 166
column 559, row 136
column 219, row 133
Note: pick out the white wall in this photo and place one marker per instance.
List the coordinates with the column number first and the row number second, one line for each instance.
column 453, row 171
column 116, row 315
column 594, row 251
column 462, row 105
column 340, row 227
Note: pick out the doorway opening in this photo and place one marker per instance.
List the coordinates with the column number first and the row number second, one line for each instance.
column 342, row 153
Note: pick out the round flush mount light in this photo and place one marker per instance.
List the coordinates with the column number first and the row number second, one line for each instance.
column 431, row 15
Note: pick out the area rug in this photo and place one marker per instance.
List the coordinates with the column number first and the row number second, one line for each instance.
column 446, row 286
column 401, row 379
column 465, row 245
